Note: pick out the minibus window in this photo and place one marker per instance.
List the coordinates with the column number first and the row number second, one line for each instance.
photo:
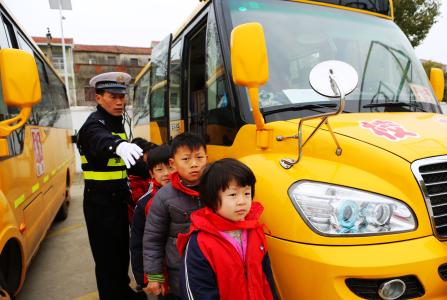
column 41, row 114
column 10, row 32
column 141, row 103
column 159, row 85
column 3, row 107
column 60, row 116
column 4, row 38
column 196, row 82
column 377, row 6
column 221, row 127
column 175, row 73
column 300, row 35
column 24, row 45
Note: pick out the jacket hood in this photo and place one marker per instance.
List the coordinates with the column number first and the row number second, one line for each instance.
column 206, row 220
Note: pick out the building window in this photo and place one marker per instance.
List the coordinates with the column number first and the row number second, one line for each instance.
column 92, row 61
column 58, row 62
column 111, row 60
column 134, row 61
column 89, row 94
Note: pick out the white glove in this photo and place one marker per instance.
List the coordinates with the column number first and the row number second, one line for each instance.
column 129, row 153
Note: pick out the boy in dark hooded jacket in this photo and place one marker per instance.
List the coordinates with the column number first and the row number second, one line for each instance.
column 139, row 184
column 159, row 169
column 169, row 214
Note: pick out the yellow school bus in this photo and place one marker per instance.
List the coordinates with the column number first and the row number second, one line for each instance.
column 354, row 190
column 36, row 153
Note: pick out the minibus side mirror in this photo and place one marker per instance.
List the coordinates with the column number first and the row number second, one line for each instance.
column 249, row 63
column 20, row 87
column 437, row 82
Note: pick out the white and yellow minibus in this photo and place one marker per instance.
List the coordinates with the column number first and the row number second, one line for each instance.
column 37, row 161
column 355, row 191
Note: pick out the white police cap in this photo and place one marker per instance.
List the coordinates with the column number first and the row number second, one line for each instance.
column 112, row 82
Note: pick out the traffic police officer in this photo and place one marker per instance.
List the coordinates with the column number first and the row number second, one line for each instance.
column 105, row 155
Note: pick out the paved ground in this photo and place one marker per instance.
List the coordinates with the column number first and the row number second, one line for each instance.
column 63, row 268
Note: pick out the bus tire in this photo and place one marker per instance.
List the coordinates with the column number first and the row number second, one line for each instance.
column 4, row 295
column 62, row 214
column 10, row 270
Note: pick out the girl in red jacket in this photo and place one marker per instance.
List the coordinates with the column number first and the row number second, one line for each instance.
column 225, row 252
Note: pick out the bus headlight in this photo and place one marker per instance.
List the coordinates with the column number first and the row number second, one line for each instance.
column 336, row 210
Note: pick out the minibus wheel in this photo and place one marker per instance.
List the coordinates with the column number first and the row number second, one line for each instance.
column 10, row 269
column 62, row 214
column 4, row 294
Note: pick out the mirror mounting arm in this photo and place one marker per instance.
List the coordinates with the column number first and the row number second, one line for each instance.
column 287, row 163
column 253, row 93
column 6, row 126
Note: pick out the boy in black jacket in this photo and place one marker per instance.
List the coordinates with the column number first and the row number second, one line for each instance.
column 169, row 214
column 159, row 170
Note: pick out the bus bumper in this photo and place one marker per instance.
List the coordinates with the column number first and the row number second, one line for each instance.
column 305, row 271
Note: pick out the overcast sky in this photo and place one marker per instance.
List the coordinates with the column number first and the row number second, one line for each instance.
column 138, row 22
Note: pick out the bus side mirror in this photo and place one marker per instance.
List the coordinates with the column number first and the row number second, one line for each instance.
column 437, row 82
column 249, row 63
column 21, row 88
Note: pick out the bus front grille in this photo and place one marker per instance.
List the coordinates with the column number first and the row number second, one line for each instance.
column 432, row 177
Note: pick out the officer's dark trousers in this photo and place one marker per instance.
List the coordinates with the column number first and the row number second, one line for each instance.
column 108, row 232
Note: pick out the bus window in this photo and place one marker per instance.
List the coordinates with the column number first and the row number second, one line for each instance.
column 221, row 127
column 376, row 6
column 4, row 38
column 175, row 72
column 3, row 107
column 10, row 32
column 196, row 81
column 24, row 45
column 61, row 112
column 159, row 85
column 42, row 111
column 141, row 103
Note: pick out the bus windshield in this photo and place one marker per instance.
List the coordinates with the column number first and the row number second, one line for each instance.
column 300, row 35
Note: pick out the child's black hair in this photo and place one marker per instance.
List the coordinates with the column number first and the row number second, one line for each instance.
column 186, row 139
column 144, row 144
column 217, row 177
column 159, row 155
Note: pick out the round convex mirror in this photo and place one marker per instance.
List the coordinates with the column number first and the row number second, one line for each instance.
column 344, row 74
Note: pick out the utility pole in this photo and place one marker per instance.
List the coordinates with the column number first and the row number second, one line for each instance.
column 63, row 5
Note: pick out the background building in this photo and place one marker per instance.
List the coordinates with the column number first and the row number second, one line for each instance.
column 52, row 47
column 86, row 61
column 90, row 60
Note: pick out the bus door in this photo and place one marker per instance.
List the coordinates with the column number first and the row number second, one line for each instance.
column 159, row 108
column 211, row 109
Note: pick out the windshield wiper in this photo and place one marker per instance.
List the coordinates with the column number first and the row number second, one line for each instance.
column 394, row 104
column 294, row 107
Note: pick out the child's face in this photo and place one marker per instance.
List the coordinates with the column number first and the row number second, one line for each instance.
column 235, row 202
column 189, row 163
column 161, row 173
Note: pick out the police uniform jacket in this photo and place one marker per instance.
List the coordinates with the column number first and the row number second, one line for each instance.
column 97, row 142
